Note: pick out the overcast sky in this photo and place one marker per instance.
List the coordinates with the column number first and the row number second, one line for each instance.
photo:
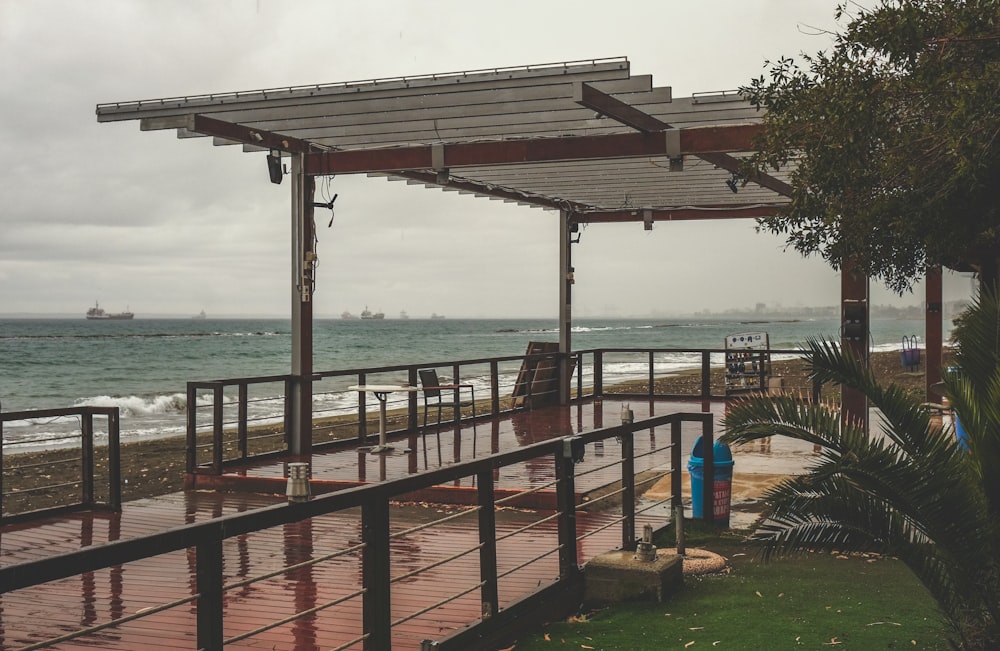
column 168, row 227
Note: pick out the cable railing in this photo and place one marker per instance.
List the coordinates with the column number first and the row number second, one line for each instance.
column 81, row 471
column 366, row 567
column 227, row 425
column 234, row 420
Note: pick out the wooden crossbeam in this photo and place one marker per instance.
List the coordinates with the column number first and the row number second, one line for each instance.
column 676, row 214
column 531, row 150
column 586, row 95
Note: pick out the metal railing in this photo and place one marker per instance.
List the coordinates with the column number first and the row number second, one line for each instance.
column 59, row 472
column 223, row 431
column 366, row 580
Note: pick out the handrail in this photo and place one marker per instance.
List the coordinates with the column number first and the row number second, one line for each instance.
column 494, row 407
column 86, row 498
column 374, row 501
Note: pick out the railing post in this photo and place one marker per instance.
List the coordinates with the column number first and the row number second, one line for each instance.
column 87, row 458
column 566, row 503
column 488, row 542
column 708, row 453
column 289, row 424
column 579, row 375
column 651, row 375
column 241, row 424
column 676, row 478
column 191, row 448
column 456, row 392
column 217, row 428
column 209, row 579
column 362, row 411
column 377, row 613
column 494, row 388
column 411, row 400
column 628, row 485
column 1, row 464
column 706, row 379
column 114, row 461
column 598, row 373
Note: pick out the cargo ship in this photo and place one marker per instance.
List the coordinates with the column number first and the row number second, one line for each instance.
column 97, row 313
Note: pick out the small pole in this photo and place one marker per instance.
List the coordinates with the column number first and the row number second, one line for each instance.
column 679, row 529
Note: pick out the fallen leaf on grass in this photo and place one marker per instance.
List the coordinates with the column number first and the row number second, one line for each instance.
column 584, row 646
column 880, row 623
column 758, row 593
column 547, row 638
column 691, row 643
column 697, row 628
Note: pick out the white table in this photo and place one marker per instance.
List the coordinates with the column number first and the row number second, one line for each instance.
column 381, row 393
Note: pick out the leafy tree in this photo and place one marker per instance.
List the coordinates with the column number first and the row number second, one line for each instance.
column 894, row 133
column 908, row 490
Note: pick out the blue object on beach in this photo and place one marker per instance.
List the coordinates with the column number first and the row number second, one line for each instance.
column 910, row 354
column 960, row 433
column 722, row 465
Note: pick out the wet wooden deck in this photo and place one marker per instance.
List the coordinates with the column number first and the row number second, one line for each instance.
column 34, row 614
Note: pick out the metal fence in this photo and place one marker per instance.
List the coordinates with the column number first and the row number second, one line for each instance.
column 64, row 470
column 365, row 568
column 222, row 430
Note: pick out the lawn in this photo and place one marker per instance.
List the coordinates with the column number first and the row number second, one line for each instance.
column 813, row 601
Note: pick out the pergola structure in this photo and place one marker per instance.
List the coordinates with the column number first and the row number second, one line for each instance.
column 587, row 140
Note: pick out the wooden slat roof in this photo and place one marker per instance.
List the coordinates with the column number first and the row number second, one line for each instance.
column 586, row 137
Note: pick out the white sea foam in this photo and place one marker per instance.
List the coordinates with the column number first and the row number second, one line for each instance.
column 174, row 403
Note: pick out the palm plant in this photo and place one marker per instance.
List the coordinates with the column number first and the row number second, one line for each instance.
column 905, row 489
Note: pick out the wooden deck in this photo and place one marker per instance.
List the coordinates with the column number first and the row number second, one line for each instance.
column 526, row 555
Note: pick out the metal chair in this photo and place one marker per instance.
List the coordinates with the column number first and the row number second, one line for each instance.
column 432, row 388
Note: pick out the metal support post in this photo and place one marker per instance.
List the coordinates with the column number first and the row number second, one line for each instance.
column 303, row 284
column 565, row 305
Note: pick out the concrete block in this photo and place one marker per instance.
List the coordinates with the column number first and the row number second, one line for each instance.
column 618, row 576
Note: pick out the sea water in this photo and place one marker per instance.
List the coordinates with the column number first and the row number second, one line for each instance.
column 142, row 366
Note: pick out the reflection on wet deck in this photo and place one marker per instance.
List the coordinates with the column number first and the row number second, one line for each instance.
column 33, row 614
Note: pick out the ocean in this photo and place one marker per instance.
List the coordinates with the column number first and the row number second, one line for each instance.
column 142, row 366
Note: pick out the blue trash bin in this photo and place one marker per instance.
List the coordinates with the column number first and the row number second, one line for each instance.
column 722, row 465
column 960, row 433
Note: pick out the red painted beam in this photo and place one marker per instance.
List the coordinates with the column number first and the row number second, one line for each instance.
column 248, row 135
column 534, row 150
column 680, row 214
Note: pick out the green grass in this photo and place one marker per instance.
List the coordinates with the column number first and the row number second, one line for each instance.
column 814, row 601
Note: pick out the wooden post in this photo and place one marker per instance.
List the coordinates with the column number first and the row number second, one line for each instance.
column 209, row 582
column 933, row 334
column 488, row 542
column 566, row 499
column 854, row 307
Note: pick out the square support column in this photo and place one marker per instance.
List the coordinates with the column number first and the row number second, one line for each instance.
column 565, row 305
column 854, row 307
column 933, row 331
column 303, row 283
